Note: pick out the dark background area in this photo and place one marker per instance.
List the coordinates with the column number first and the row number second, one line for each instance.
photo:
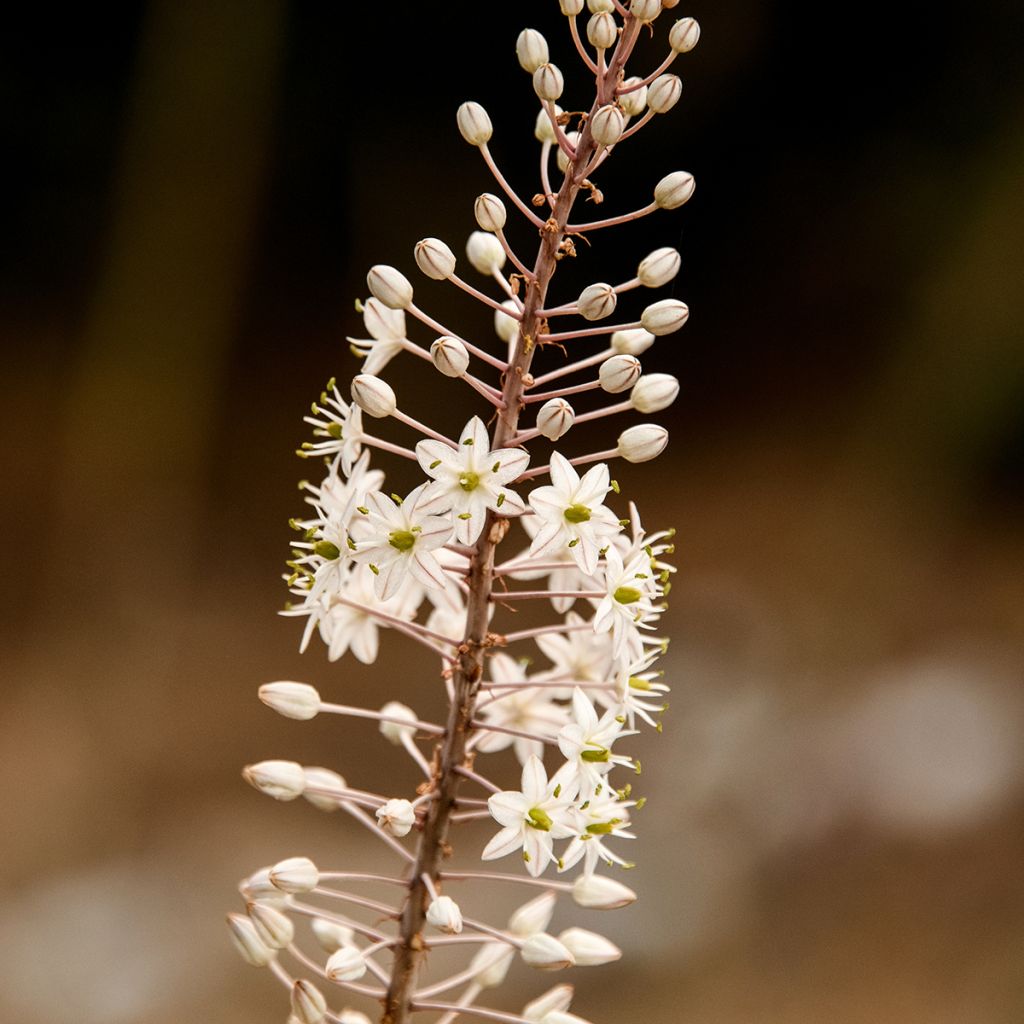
column 195, row 192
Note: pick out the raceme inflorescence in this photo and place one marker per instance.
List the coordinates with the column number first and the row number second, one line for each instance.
column 560, row 697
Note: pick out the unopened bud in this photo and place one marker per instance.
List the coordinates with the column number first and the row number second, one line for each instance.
column 654, row 392
column 634, row 102
column 632, row 342
column 450, row 356
column 645, row 10
column 491, row 963
column 570, row 8
column 252, row 948
column 607, row 125
column 373, row 395
column 283, row 780
column 321, row 786
column 546, row 953
column 548, row 82
column 557, row 998
column 643, row 442
column 274, row 928
column 434, row 258
column 597, row 892
column 506, row 327
column 600, row 6
column 588, row 948
column 392, row 731
column 390, row 286
column 664, row 317
column 331, row 935
column 295, row 875
column 308, row 1004
column 664, row 93
column 658, row 268
column 293, row 700
column 543, row 129
column 474, row 124
column 531, row 49
column 259, row 887
column 674, row 189
column 555, row 418
column 619, row 373
column 396, row 817
column 597, row 301
column 534, row 916
column 345, row 964
column 444, row 913
column 602, row 30
column 355, row 1017
column 684, row 35
column 573, row 138
column 485, row 252
column 489, row 210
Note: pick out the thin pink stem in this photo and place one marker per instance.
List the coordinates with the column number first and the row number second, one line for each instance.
column 472, row 1011
column 613, row 221
column 634, row 128
column 441, row 329
column 587, row 59
column 541, row 595
column 563, row 140
column 510, row 253
column 387, row 446
column 481, row 297
column 358, row 901
column 545, row 179
column 580, row 364
column 478, row 779
column 411, row 421
column 529, row 634
column 393, row 620
column 580, row 460
column 509, row 191
column 506, row 287
column 586, row 332
column 660, row 70
column 365, row 821
column 545, row 396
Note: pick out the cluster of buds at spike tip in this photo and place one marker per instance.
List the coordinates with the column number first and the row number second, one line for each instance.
column 536, row 772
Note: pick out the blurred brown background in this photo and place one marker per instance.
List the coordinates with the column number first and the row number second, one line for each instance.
column 836, row 820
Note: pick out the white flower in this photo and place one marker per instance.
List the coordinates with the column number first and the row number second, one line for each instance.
column 586, row 743
column 531, row 819
column 471, row 479
column 572, row 514
column 386, row 328
column 396, row 817
column 399, row 540
column 577, row 654
column 598, row 819
column 638, row 692
column 564, row 580
column 627, row 606
column 340, row 424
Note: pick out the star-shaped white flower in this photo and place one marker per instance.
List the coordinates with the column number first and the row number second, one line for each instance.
column 628, row 605
column 638, row 692
column 572, row 515
column 386, row 328
column 471, row 479
column 586, row 744
column 341, row 426
column 598, row 820
column 577, row 655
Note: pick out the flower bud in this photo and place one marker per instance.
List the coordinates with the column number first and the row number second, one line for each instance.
column 658, row 268
column 597, row 892
column 392, row 731
column 645, row 10
column 543, row 130
column 597, row 301
column 534, row 916
column 673, row 190
column 354, row 1017
column 633, row 103
column 684, row 35
column 323, row 779
column 600, row 6
column 602, row 30
column 293, row 700
column 570, row 8
column 561, row 1017
column 555, row 418
column 506, row 327
column 283, row 780
column 295, row 875
column 664, row 317
column 247, row 941
column 619, row 373
column 588, row 948
column 259, row 887
column 373, row 395
column 531, row 49
column 444, row 913
column 331, row 935
column 491, row 963
column 308, row 1003
column 396, row 817
column 382, row 322
column 546, row 953
column 557, row 998
column 643, row 442
column 474, row 124
column 489, row 210
column 654, row 392
column 390, row 286
column 450, row 356
column 274, row 928
column 485, row 252
column 345, row 964
column 607, row 125
column 548, row 82
column 664, row 93
column 562, row 158
column 434, row 258
column 633, row 342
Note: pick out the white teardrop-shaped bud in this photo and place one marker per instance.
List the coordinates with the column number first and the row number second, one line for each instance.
column 534, row 916
column 664, row 317
column 597, row 892
column 345, row 964
column 645, row 10
column 506, row 327
column 491, row 963
column 557, row 998
column 382, row 322
column 546, row 953
column 485, row 252
column 562, row 157
column 308, row 1003
column 602, row 30
column 643, row 442
column 531, row 49
column 434, row 258
column 321, row 785
column 607, row 125
column 548, row 82
column 396, row 817
column 474, row 123
column 283, row 780
column 450, row 356
column 635, row 102
column 274, row 928
column 654, row 392
column 570, row 8
column 684, row 34
column 619, row 373
column 588, row 948
column 658, row 268
column 373, row 395
column 389, row 286
column 392, row 731
column 258, row 886
column 444, row 913
column 632, row 342
column 252, row 948
column 664, row 92
column 489, row 211
column 293, row 700
column 597, row 301
column 600, row 6
column 295, row 875
column 355, row 1017
column 555, row 418
column 543, row 130
column 674, row 189
column 332, row 935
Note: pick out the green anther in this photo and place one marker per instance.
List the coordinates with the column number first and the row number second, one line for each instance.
column 326, row 549
column 396, row 498
column 363, row 509
column 359, row 305
column 577, row 514
column 294, row 524
column 627, row 595
column 558, row 791
column 496, row 467
column 640, row 803
column 351, row 543
column 615, row 487
column 468, row 440
column 623, row 522
column 601, row 828
column 293, row 579
column 435, row 464
column 649, row 550
column 402, row 540
column 469, row 481
column 539, row 819
column 501, row 499
column 331, row 383
column 306, row 446
column 334, row 430
column 599, row 756
column 309, row 534
column 374, row 569
column 355, row 352
column 315, row 408
column 636, row 683
column 465, row 515
column 573, row 542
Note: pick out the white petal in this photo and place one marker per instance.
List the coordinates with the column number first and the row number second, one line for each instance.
column 426, row 569
column 535, row 781
column 429, row 452
column 501, row 845
column 508, row 808
column 563, row 477
column 513, row 463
